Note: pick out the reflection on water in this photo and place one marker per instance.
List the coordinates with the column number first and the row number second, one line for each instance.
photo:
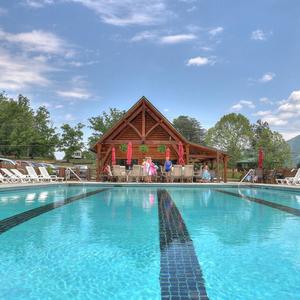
column 83, row 251
column 226, row 216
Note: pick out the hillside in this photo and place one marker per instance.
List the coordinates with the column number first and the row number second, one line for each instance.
column 295, row 147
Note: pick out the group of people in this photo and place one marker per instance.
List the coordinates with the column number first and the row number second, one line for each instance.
column 150, row 169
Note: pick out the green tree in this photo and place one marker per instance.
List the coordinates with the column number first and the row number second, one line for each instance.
column 190, row 128
column 71, row 139
column 45, row 138
column 232, row 134
column 277, row 152
column 16, row 126
column 101, row 124
column 24, row 132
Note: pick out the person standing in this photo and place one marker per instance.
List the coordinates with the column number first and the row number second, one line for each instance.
column 168, row 169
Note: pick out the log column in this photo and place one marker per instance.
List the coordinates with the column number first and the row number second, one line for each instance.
column 187, row 150
column 225, row 168
column 98, row 166
column 218, row 166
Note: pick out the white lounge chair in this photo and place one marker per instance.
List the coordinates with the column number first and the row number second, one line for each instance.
column 188, row 173
column 290, row 180
column 21, row 176
column 119, row 172
column 135, row 173
column 13, row 178
column 176, row 172
column 4, row 179
column 33, row 176
column 46, row 176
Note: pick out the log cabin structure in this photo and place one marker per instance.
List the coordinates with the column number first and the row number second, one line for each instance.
column 150, row 133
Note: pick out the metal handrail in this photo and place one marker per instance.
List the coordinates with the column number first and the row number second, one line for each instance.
column 251, row 170
column 72, row 171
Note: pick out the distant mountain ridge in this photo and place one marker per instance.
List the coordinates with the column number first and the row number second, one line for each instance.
column 295, row 147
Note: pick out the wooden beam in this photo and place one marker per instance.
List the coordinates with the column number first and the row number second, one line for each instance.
column 170, row 132
column 122, row 126
column 139, row 142
column 98, row 169
column 135, row 129
column 143, row 121
column 218, row 165
column 187, row 153
column 108, row 152
column 225, row 168
column 152, row 128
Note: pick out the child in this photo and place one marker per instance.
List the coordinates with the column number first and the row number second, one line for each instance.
column 168, row 168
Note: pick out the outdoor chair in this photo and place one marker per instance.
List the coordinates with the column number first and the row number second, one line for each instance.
column 21, row 176
column 13, row 178
column 290, row 180
column 33, row 175
column 188, row 173
column 176, row 173
column 47, row 176
column 5, row 179
column 119, row 172
column 135, row 173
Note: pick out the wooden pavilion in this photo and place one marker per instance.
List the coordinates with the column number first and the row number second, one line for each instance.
column 150, row 134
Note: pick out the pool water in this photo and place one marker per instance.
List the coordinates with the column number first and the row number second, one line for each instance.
column 107, row 243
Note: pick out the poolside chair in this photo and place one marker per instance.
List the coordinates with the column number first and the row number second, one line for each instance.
column 119, row 173
column 176, row 173
column 188, row 173
column 5, row 179
column 13, row 178
column 135, row 173
column 33, row 176
column 47, row 176
column 290, row 180
column 21, row 176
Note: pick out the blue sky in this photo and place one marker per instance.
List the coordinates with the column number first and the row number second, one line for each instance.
column 202, row 58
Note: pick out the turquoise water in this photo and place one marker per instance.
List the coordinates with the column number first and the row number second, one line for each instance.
column 106, row 246
column 247, row 250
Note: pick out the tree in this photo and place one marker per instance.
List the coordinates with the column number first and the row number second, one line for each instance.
column 24, row 132
column 277, row 152
column 71, row 139
column 101, row 124
column 190, row 128
column 45, row 138
column 232, row 134
column 16, row 126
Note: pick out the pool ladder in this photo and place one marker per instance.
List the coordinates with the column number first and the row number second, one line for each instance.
column 251, row 171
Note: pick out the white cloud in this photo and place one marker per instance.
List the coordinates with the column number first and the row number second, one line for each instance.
column 267, row 77
column 216, row 31
column 258, row 35
column 20, row 72
column 37, row 41
column 262, row 113
column 119, row 12
column 58, row 106
column 144, row 35
column 177, row 38
column 200, row 61
column 243, row 104
column 266, row 100
column 75, row 93
column 285, row 118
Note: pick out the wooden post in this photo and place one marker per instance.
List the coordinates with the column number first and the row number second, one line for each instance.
column 143, row 123
column 225, row 168
column 187, row 150
column 98, row 167
column 218, row 166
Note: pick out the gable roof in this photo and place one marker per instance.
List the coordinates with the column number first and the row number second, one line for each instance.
column 144, row 102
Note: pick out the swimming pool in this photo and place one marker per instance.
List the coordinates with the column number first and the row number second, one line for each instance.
column 110, row 242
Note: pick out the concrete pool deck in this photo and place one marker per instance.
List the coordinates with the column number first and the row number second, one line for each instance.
column 17, row 186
